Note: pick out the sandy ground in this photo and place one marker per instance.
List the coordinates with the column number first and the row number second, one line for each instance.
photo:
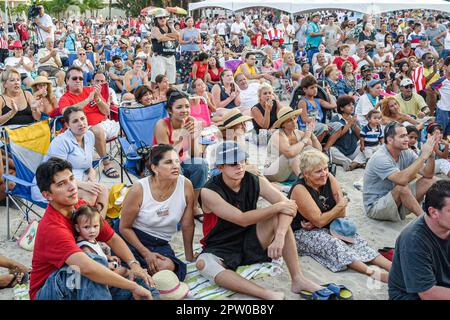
column 378, row 234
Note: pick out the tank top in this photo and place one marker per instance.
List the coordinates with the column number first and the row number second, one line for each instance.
column 447, row 41
column 181, row 154
column 94, row 246
column 135, row 82
column 224, row 95
column 324, row 200
column 273, row 116
column 215, row 77
column 24, row 116
column 160, row 219
column 165, row 48
column 313, row 111
column 186, row 35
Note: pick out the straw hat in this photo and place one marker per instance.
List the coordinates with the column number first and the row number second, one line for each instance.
column 232, row 118
column 285, row 114
column 40, row 79
column 169, row 286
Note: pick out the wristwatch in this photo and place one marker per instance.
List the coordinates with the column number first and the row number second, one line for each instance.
column 133, row 261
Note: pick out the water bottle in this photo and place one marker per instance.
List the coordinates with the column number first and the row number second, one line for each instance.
column 132, row 149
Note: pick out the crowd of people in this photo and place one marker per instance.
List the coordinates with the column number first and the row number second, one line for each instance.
column 313, row 91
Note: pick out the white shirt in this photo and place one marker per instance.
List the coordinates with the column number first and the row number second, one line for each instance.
column 46, row 21
column 385, row 57
column 221, row 29
column 12, row 61
column 287, row 30
column 237, row 27
column 249, row 97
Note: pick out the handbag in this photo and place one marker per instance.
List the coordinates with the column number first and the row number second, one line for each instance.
column 26, row 241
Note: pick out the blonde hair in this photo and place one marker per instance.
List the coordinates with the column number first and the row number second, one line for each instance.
column 330, row 69
column 385, row 111
column 5, row 76
column 264, row 86
column 311, row 159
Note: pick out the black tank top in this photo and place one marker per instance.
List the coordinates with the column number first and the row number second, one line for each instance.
column 224, row 234
column 324, row 200
column 273, row 116
column 224, row 95
column 164, row 48
column 24, row 116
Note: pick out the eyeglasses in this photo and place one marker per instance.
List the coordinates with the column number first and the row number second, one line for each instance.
column 77, row 78
column 409, row 86
column 82, row 54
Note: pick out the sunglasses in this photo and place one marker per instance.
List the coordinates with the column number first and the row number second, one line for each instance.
column 77, row 78
column 409, row 86
column 82, row 54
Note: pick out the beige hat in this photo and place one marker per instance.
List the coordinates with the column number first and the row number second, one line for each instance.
column 285, row 114
column 232, row 118
column 169, row 286
column 40, row 79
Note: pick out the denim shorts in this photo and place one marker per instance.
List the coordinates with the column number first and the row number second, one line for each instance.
column 443, row 118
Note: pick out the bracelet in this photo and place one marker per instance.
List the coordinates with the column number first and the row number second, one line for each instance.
column 133, row 261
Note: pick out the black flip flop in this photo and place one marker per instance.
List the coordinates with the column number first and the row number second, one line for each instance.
column 199, row 218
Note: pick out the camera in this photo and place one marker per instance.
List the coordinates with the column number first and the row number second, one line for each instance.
column 33, row 11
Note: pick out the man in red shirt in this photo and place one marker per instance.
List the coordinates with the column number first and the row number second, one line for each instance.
column 60, row 269
column 96, row 110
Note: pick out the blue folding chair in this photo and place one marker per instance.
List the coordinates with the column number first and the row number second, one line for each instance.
column 138, row 125
column 27, row 147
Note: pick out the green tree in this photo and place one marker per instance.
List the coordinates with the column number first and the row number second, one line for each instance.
column 92, row 6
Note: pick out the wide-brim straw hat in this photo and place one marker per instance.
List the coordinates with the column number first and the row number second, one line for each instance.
column 169, row 286
column 40, row 79
column 285, row 114
column 232, row 118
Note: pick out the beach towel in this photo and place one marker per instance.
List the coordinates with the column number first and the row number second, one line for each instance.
column 201, row 288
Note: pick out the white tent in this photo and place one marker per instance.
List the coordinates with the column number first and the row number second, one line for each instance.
column 364, row 6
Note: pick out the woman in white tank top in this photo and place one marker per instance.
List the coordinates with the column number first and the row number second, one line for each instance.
column 153, row 208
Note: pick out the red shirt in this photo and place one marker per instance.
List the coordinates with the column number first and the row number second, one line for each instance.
column 254, row 40
column 55, row 243
column 401, row 55
column 93, row 114
column 215, row 77
column 201, row 69
column 338, row 61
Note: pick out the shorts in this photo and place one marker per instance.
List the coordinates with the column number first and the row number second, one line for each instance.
column 52, row 71
column 244, row 251
column 163, row 65
column 110, row 127
column 386, row 208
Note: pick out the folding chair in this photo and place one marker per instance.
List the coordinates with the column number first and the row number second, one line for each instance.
column 26, row 146
column 138, row 125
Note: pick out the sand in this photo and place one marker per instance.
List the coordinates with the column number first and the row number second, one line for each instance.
column 378, row 234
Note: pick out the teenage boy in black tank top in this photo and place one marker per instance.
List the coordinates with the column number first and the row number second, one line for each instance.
column 237, row 233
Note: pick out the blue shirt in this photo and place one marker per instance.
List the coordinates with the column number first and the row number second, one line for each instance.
column 313, row 41
column 371, row 136
column 65, row 146
column 118, row 52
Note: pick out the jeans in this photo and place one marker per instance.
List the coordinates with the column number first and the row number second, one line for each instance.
column 67, row 284
column 196, row 170
column 445, row 54
column 443, row 118
column 311, row 52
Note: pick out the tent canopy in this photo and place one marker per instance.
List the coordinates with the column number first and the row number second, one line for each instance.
column 364, row 6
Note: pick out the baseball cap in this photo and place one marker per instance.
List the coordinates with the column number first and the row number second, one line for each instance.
column 372, row 83
column 229, row 152
column 406, row 82
column 366, row 67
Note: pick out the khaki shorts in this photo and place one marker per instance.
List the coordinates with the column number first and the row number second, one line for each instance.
column 110, row 127
column 386, row 208
column 163, row 65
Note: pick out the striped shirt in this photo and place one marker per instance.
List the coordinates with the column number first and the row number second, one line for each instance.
column 371, row 136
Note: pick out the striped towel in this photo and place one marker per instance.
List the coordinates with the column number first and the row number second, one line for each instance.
column 201, row 288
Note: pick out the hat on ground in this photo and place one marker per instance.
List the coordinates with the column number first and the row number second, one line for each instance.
column 406, row 82
column 159, row 13
column 40, row 79
column 16, row 45
column 285, row 114
column 232, row 118
column 343, row 229
column 169, row 286
column 229, row 152
column 372, row 83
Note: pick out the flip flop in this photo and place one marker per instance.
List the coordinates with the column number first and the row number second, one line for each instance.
column 321, row 294
column 341, row 292
column 111, row 173
column 14, row 280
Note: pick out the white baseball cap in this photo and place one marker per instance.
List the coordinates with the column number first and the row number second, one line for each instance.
column 406, row 82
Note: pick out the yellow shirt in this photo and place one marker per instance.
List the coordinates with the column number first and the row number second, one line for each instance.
column 427, row 72
column 252, row 70
column 413, row 105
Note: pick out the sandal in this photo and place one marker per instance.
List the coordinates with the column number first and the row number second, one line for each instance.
column 14, row 281
column 321, row 294
column 199, row 218
column 341, row 292
column 111, row 173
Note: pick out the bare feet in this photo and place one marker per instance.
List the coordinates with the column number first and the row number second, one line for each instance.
column 378, row 274
column 274, row 295
column 5, row 280
column 302, row 283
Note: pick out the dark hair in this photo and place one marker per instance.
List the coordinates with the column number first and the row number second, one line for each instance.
column 217, row 62
column 71, row 69
column 447, row 61
column 432, row 127
column 407, row 44
column 425, row 55
column 342, row 101
column 194, row 83
column 47, row 170
column 398, row 37
column 116, row 58
column 69, row 110
column 412, row 128
column 372, row 112
column 202, row 56
column 174, row 95
column 156, row 154
column 141, row 91
column 436, row 195
column 308, row 81
column 222, row 73
column 159, row 78
column 138, row 58
column 97, row 73
column 90, row 212
column 248, row 54
column 390, row 130
column 87, row 44
column 417, row 25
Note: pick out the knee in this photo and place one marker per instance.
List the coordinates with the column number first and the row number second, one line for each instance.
column 200, row 265
column 402, row 190
column 209, row 266
column 99, row 133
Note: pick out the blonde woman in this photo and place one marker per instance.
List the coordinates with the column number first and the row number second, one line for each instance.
column 390, row 111
column 42, row 90
column 17, row 106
